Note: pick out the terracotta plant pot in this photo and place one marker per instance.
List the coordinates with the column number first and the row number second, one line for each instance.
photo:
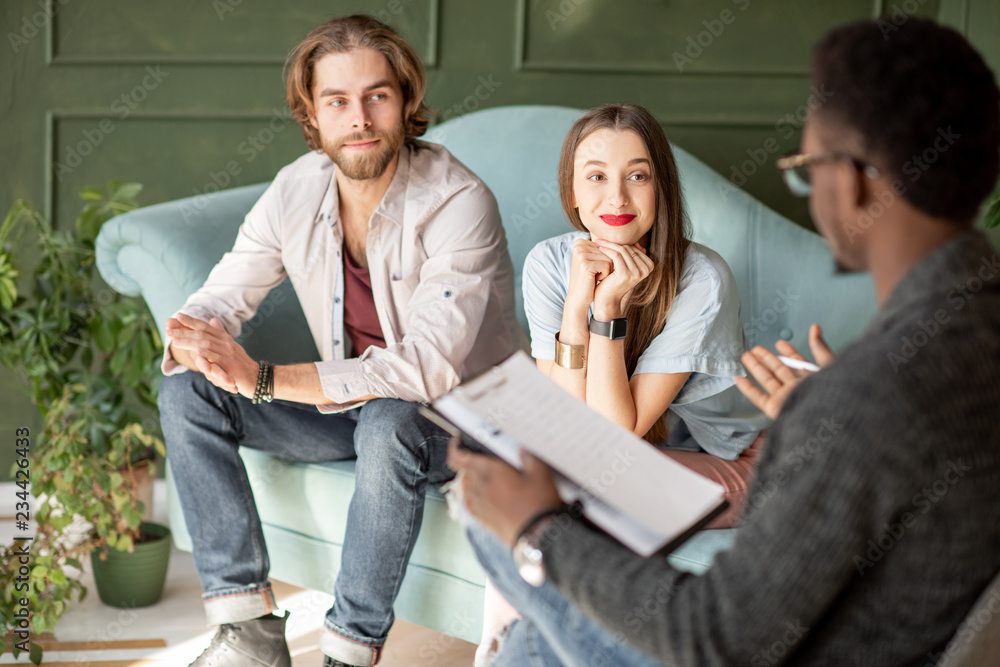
column 136, row 579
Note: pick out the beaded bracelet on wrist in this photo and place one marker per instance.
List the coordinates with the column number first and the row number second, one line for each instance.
column 264, row 392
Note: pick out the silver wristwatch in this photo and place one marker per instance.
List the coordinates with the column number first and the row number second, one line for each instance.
column 528, row 555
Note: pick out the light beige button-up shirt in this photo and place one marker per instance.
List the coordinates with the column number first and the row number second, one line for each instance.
column 442, row 280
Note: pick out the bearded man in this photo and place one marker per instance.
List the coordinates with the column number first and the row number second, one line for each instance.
column 397, row 255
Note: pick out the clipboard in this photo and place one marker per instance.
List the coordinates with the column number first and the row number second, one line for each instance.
column 464, row 440
column 497, row 412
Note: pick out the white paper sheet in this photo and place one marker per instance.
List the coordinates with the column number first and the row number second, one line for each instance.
column 628, row 487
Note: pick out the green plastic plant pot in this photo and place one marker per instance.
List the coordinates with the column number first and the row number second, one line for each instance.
column 128, row 580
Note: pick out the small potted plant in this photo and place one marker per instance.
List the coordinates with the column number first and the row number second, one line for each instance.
column 100, row 485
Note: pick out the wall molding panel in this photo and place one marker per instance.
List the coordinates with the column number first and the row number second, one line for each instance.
column 54, row 56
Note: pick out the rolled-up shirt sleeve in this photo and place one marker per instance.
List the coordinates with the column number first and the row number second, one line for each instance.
column 544, row 286
column 703, row 334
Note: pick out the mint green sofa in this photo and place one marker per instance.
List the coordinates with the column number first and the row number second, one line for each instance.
column 165, row 252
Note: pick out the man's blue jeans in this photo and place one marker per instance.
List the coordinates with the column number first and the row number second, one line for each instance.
column 553, row 632
column 398, row 454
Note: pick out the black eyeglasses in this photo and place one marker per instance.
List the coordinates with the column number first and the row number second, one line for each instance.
column 798, row 177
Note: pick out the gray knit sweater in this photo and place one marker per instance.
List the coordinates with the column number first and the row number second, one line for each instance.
column 874, row 520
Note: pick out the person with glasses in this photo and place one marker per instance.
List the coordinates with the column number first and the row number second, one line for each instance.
column 796, row 169
column 874, row 549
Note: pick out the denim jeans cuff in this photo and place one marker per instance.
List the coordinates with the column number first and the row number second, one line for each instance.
column 232, row 605
column 348, row 647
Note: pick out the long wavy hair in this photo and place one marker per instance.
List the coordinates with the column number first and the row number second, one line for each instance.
column 651, row 299
column 341, row 35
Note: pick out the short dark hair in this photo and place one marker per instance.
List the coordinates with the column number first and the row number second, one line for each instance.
column 902, row 83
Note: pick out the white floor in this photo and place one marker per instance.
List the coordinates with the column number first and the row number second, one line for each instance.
column 173, row 632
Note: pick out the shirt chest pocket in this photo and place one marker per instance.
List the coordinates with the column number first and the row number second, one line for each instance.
column 404, row 269
column 401, row 289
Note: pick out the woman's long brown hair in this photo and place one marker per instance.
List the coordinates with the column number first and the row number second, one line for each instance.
column 651, row 299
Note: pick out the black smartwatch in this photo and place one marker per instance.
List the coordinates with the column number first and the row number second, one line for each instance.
column 616, row 329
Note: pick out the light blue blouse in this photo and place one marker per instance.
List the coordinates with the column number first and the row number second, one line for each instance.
column 703, row 335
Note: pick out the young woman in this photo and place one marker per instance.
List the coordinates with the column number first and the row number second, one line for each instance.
column 627, row 313
column 632, row 317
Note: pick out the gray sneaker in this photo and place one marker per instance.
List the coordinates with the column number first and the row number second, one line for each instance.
column 330, row 662
column 259, row 642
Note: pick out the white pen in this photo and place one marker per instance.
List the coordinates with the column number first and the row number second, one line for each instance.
column 798, row 363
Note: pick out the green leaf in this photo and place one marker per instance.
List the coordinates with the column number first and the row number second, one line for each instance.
column 121, row 500
column 8, row 281
column 17, row 210
column 118, row 359
column 124, row 543
column 133, row 371
column 157, row 343
column 8, row 293
column 127, row 192
column 89, row 223
column 145, row 351
column 104, row 336
column 132, row 516
column 35, row 654
column 126, row 335
column 993, row 215
column 91, row 193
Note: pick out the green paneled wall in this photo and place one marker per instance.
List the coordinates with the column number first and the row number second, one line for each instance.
column 186, row 96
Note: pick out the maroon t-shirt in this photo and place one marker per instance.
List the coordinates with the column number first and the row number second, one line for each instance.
column 360, row 316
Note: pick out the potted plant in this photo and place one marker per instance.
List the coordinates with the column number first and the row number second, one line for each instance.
column 89, row 358
column 100, row 486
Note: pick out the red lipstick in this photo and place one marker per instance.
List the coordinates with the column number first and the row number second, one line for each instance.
column 617, row 220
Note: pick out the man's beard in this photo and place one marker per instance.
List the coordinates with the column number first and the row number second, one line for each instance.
column 371, row 163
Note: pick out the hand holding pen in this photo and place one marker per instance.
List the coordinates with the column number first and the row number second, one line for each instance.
column 777, row 374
